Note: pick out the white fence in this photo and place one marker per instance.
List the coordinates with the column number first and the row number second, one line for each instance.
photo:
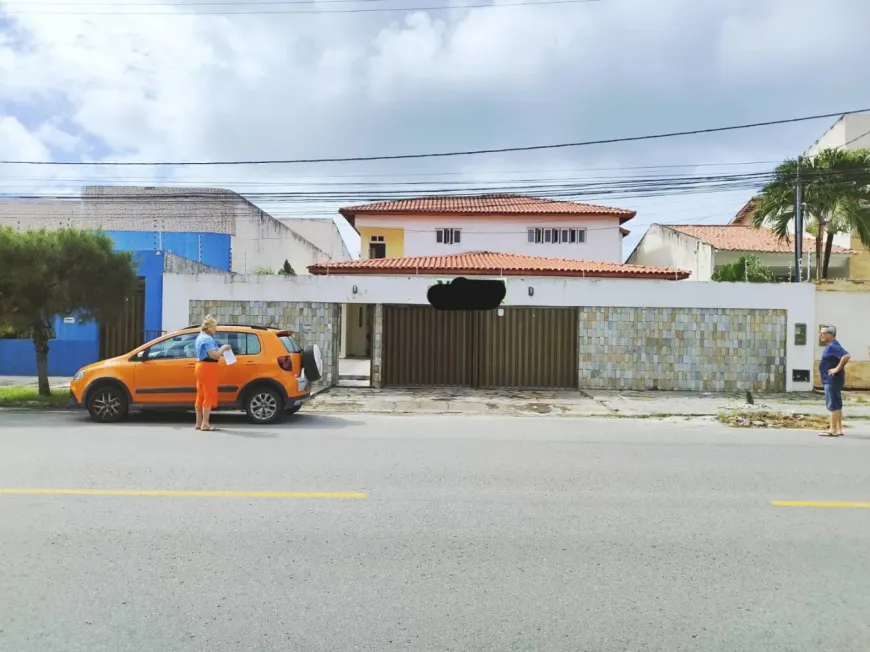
column 797, row 299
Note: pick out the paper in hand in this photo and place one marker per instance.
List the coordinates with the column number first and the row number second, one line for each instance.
column 229, row 357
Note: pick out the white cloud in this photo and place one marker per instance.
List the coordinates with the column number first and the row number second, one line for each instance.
column 19, row 143
column 302, row 86
column 760, row 38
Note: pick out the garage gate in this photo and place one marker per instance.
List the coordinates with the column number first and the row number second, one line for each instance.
column 525, row 348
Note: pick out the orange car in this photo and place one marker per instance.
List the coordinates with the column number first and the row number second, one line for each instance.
column 271, row 375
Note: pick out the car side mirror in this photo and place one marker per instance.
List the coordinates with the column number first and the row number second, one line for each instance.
column 142, row 356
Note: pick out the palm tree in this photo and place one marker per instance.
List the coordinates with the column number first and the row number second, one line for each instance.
column 836, row 196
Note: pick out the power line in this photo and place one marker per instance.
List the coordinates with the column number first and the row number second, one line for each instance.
column 857, row 138
column 394, row 157
column 531, row 222
column 366, row 191
column 478, row 176
column 284, row 12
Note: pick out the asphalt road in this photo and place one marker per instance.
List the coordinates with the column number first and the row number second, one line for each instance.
column 474, row 534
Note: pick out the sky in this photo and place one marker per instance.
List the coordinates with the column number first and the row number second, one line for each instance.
column 171, row 83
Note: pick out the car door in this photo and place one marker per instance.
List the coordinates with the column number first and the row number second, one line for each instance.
column 166, row 372
column 247, row 348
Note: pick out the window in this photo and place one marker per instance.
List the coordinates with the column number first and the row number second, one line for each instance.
column 290, row 344
column 377, row 247
column 241, row 343
column 174, row 348
column 448, row 236
column 552, row 235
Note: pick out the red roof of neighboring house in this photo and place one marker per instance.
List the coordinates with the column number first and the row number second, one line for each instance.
column 736, row 237
column 744, row 215
column 484, row 205
column 487, row 263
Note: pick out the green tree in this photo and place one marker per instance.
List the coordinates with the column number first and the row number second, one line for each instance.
column 746, row 269
column 262, row 271
column 50, row 273
column 835, row 186
column 287, row 269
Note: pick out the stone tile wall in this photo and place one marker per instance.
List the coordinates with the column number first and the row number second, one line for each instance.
column 378, row 347
column 314, row 322
column 693, row 349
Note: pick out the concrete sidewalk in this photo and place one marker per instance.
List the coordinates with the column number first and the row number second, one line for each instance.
column 548, row 403
column 570, row 403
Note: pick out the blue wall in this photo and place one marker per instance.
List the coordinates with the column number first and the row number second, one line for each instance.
column 207, row 248
column 78, row 344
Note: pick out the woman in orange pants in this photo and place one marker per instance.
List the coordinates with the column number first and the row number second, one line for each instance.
column 208, row 355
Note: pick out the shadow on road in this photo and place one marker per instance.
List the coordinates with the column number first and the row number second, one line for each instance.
column 227, row 423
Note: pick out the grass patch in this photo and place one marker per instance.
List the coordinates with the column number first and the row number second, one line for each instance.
column 28, row 397
column 773, row 420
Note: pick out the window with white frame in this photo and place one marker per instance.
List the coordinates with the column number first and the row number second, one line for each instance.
column 555, row 235
column 448, row 236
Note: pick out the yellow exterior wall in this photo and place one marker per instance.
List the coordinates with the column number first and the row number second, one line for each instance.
column 394, row 239
column 859, row 264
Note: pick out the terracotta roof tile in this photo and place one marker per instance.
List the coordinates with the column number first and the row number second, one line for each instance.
column 487, row 263
column 744, row 215
column 502, row 204
column 735, row 237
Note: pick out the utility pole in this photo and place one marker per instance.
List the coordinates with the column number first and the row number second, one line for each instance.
column 798, row 224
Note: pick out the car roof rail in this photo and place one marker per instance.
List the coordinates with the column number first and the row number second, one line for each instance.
column 254, row 326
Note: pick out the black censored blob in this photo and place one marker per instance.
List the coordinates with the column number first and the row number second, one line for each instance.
column 465, row 294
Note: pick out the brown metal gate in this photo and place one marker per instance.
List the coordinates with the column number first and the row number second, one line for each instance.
column 127, row 331
column 525, row 348
column 425, row 347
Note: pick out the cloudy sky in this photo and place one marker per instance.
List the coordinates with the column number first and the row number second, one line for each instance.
column 332, row 78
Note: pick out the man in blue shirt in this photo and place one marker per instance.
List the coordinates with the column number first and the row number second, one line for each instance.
column 832, row 370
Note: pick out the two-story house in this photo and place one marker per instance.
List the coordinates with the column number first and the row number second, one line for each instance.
column 532, row 226
column 488, row 235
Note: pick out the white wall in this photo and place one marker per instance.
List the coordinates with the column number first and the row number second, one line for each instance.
column 504, row 234
column 262, row 241
column 850, row 132
column 323, row 233
column 796, row 298
column 50, row 214
column 834, row 136
column 850, row 313
column 258, row 239
column 664, row 247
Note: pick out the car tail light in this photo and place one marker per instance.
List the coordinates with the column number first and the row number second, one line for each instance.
column 286, row 363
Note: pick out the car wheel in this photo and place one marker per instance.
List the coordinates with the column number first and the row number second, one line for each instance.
column 108, row 404
column 264, row 405
column 312, row 362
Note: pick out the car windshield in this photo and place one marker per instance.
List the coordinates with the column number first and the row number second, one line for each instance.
column 290, row 344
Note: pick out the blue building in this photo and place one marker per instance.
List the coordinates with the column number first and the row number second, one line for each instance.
column 168, row 229
column 78, row 342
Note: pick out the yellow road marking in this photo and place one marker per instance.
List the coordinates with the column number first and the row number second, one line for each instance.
column 180, row 493
column 818, row 503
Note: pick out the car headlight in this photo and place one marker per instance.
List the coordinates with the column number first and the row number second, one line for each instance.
column 79, row 375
